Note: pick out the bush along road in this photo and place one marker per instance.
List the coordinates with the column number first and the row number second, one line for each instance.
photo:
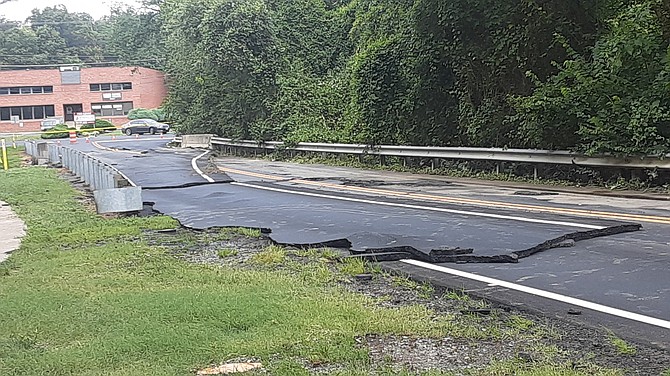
column 127, row 295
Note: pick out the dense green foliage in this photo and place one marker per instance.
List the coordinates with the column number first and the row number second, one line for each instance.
column 157, row 114
column 54, row 35
column 584, row 75
column 590, row 75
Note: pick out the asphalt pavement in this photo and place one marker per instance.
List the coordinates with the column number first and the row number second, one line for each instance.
column 627, row 273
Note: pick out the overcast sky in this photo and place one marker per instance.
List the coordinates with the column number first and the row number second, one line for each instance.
column 19, row 10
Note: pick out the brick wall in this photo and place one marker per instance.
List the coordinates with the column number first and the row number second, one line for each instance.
column 149, row 91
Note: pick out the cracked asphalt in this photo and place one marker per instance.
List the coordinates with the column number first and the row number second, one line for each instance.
column 311, row 204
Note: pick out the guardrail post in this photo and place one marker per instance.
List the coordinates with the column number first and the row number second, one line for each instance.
column 85, row 173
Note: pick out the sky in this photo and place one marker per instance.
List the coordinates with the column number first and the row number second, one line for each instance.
column 19, row 10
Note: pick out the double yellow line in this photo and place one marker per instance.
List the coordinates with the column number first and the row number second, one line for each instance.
column 465, row 201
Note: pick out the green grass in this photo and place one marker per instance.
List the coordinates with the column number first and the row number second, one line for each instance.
column 227, row 252
column 318, row 253
column 521, row 368
column 244, row 231
column 351, row 266
column 456, row 295
column 86, row 295
column 13, row 156
column 666, row 372
column 621, row 346
column 271, row 255
column 519, row 323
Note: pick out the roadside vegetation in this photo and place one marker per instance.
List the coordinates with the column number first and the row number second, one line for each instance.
column 93, row 295
column 590, row 75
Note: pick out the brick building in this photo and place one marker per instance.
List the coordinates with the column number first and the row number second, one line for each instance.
column 32, row 95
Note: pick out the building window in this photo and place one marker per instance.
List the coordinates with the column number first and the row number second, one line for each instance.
column 26, row 90
column 112, row 86
column 26, row 112
column 111, row 109
column 112, row 96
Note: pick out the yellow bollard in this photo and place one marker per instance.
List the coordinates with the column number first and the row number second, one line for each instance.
column 5, row 162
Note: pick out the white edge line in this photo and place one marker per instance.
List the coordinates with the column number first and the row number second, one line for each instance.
column 409, row 206
column 194, row 164
column 95, row 144
column 545, row 294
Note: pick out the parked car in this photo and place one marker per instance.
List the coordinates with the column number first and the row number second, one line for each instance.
column 48, row 123
column 142, row 126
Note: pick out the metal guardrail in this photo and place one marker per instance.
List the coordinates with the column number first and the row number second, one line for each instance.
column 113, row 192
column 97, row 174
column 463, row 153
column 31, row 149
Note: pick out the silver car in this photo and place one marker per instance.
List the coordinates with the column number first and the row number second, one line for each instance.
column 142, row 126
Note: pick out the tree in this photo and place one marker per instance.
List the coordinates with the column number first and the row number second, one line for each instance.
column 76, row 29
column 615, row 101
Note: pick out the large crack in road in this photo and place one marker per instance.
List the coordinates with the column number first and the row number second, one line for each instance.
column 368, row 228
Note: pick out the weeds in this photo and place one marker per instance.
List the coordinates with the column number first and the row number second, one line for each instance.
column 460, row 296
column 227, row 233
column 519, row 323
column 272, row 255
column 351, row 266
column 622, row 347
column 227, row 252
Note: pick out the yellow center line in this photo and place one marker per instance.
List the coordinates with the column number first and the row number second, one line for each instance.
column 465, row 201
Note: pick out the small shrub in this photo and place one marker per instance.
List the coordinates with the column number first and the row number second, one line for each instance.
column 104, row 125
column 58, row 131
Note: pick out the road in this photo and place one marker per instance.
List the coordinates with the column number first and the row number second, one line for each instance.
column 619, row 281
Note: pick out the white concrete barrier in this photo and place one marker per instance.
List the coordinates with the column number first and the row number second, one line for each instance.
column 202, row 141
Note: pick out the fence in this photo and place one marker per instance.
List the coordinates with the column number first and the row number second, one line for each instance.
column 96, row 174
column 113, row 191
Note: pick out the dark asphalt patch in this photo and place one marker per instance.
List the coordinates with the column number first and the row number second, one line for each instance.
column 369, row 229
